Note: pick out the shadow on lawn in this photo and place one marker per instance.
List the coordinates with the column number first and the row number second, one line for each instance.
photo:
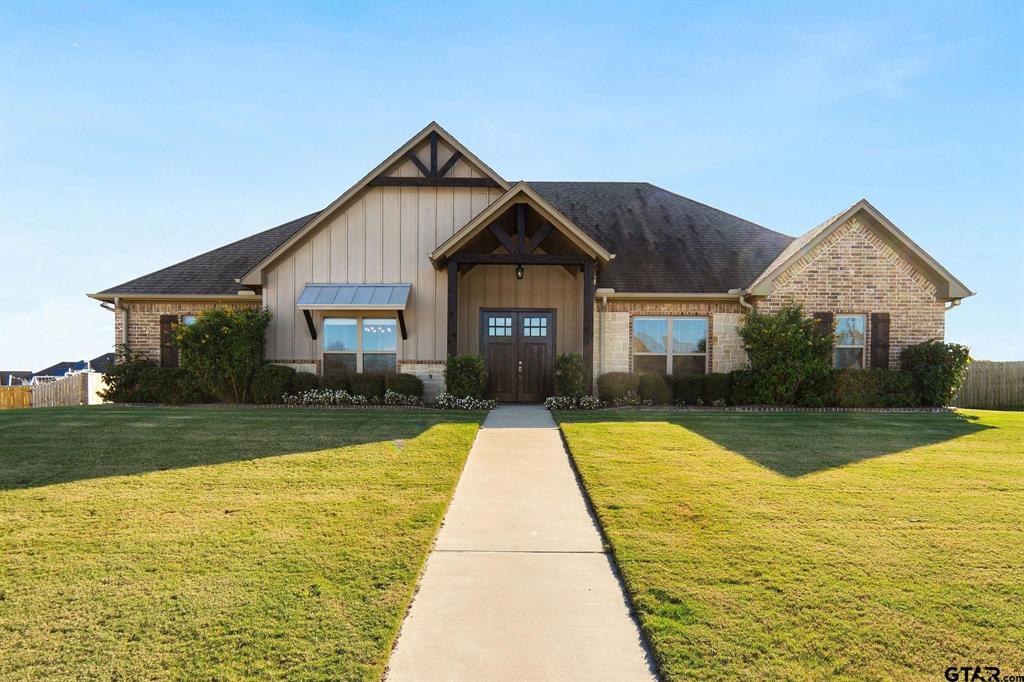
column 43, row 447
column 798, row 443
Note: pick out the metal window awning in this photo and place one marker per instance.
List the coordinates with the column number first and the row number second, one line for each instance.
column 354, row 297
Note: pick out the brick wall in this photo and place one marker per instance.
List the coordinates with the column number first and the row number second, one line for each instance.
column 854, row 271
column 144, row 321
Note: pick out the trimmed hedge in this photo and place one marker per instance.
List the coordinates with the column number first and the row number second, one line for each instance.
column 718, row 389
column 336, row 382
column 466, row 376
column 570, row 378
column 688, row 389
column 370, row 386
column 270, row 383
column 654, row 388
column 406, row 384
column 741, row 382
column 304, row 381
column 169, row 385
column 615, row 385
column 872, row 388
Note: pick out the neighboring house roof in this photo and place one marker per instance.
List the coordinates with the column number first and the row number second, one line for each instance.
column 14, row 377
column 663, row 242
column 100, row 363
column 949, row 287
column 213, row 273
column 60, row 369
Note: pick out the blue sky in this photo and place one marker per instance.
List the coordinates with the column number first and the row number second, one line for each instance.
column 134, row 135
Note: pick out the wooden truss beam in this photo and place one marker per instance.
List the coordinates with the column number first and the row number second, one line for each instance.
column 432, row 182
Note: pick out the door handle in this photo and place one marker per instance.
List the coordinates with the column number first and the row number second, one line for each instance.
column 520, row 366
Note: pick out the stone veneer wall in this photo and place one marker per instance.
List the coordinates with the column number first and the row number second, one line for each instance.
column 431, row 373
column 144, row 320
column 853, row 270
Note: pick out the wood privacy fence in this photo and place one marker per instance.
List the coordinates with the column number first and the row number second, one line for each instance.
column 993, row 386
column 74, row 389
column 12, row 397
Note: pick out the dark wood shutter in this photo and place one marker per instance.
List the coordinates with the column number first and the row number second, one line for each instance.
column 168, row 351
column 825, row 322
column 880, row 340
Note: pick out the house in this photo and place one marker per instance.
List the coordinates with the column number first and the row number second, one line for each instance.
column 61, row 369
column 433, row 253
column 14, row 377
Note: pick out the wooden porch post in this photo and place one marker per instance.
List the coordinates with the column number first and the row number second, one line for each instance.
column 453, row 307
column 588, row 323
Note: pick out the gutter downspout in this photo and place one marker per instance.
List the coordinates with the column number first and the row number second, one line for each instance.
column 742, row 296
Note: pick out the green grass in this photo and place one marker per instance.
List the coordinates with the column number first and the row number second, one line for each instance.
column 216, row 543
column 814, row 545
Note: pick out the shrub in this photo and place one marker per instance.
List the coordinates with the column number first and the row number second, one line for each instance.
column 570, row 377
column 654, row 389
column 369, row 385
column 270, row 383
column 447, row 401
column 223, row 350
column 304, row 381
column 613, row 386
column 717, row 389
column 630, row 399
column 688, row 389
column 466, row 376
column 405, row 384
column 937, row 370
column 741, row 382
column 167, row 385
column 789, row 355
column 872, row 388
column 122, row 377
column 336, row 382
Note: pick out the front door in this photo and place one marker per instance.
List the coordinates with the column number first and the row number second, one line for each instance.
column 518, row 347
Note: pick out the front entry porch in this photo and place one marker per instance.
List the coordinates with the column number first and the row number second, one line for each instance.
column 515, row 273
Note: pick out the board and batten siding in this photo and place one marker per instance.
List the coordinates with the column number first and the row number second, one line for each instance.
column 496, row 286
column 385, row 234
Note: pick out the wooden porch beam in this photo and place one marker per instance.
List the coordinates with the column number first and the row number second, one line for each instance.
column 432, row 182
column 401, row 324
column 589, row 291
column 520, row 258
column 503, row 237
column 541, row 235
column 449, row 164
column 453, row 307
column 520, row 228
column 419, row 164
column 433, row 154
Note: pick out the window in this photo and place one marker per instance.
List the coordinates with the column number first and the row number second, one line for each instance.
column 499, row 326
column 535, row 326
column 849, row 342
column 670, row 345
column 353, row 344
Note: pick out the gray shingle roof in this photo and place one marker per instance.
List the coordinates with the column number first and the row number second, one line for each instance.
column 213, row 272
column 664, row 242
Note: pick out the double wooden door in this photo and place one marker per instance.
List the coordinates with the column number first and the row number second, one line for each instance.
column 518, row 347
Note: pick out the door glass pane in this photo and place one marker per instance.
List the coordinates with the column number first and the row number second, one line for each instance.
column 379, row 363
column 689, row 335
column 339, row 363
column 340, row 334
column 499, row 326
column 379, row 335
column 849, row 358
column 689, row 364
column 535, row 326
column 649, row 364
column 849, row 330
column 650, row 335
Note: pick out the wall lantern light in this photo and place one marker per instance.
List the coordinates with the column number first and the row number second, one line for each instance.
column 520, row 272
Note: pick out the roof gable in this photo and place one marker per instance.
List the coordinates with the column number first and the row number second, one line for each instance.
column 420, row 156
column 948, row 286
column 520, row 193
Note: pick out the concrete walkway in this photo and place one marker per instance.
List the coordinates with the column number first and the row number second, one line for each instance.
column 518, row 586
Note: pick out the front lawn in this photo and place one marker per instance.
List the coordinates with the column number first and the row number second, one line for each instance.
column 814, row 545
column 216, row 543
